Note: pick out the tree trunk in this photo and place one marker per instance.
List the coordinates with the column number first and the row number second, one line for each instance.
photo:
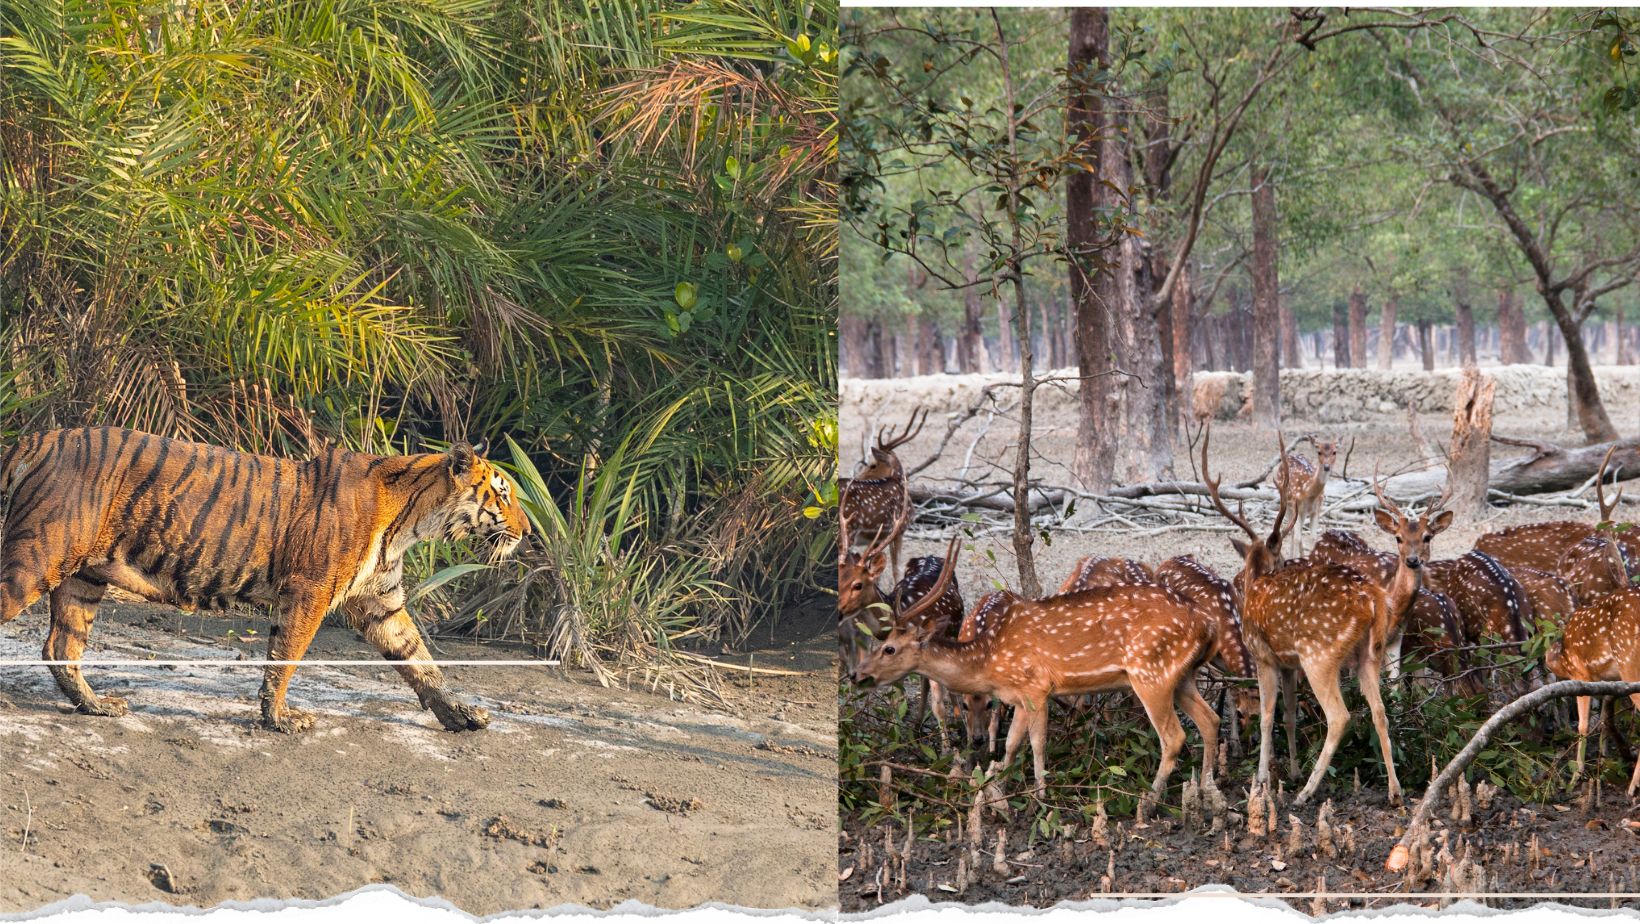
column 1426, row 349
column 1123, row 427
column 1511, row 330
column 1386, row 334
column 1466, row 333
column 872, row 367
column 1622, row 358
column 930, row 344
column 1469, row 463
column 1266, row 304
column 1005, row 336
column 1358, row 329
column 1183, row 358
column 1291, row 356
column 971, row 353
column 1341, row 335
column 1550, row 336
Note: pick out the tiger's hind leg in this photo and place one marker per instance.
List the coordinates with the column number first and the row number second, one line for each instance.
column 393, row 632
column 73, row 609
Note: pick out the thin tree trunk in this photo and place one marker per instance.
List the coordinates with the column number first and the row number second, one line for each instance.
column 1266, row 304
column 1511, row 330
column 1341, row 335
column 1386, row 335
column 1291, row 356
column 1466, row 333
column 1005, row 336
column 1183, row 358
column 1358, row 329
column 1426, row 349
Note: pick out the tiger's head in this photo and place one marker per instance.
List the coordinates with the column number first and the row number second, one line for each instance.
column 484, row 502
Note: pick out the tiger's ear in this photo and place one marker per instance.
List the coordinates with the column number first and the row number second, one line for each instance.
column 461, row 458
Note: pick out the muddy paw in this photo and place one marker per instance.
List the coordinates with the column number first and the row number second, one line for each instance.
column 111, row 706
column 291, row 722
column 459, row 716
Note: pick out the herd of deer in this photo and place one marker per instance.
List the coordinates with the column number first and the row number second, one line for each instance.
column 1121, row 624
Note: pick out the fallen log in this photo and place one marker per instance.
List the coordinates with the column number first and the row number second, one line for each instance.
column 1548, row 467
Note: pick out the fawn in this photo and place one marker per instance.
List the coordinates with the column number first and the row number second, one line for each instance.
column 1307, row 484
column 1139, row 637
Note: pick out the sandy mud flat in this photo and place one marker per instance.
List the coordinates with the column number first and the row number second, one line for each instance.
column 574, row 794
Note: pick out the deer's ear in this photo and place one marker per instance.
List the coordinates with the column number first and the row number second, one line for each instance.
column 875, row 565
column 1239, row 546
column 1385, row 521
column 1442, row 521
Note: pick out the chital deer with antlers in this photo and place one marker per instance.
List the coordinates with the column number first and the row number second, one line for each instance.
column 1306, row 484
column 878, row 497
column 863, row 608
column 1544, row 545
column 1130, row 636
column 1321, row 617
column 1601, row 642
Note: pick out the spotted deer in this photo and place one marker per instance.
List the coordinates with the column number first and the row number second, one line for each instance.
column 1544, row 545
column 862, row 607
column 1601, row 642
column 1094, row 571
column 878, row 497
column 1434, row 629
column 1141, row 637
column 1549, row 595
column 1306, row 484
column 1215, row 598
column 1593, row 567
column 1490, row 599
column 1320, row 617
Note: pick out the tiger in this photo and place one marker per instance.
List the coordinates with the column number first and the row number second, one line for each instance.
column 201, row 527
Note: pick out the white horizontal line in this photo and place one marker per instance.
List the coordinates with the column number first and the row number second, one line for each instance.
column 312, row 662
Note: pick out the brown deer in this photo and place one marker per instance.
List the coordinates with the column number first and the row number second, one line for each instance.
column 1321, row 617
column 1602, row 642
column 861, row 605
column 1130, row 636
column 1490, row 599
column 878, row 497
column 1306, row 484
column 1434, row 629
column 1549, row 594
column 1593, row 567
column 1215, row 598
column 1543, row 545
column 1093, row 571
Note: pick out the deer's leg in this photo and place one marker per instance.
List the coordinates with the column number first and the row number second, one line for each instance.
column 1324, row 681
column 1583, row 703
column 1375, row 703
column 1038, row 726
column 1289, row 703
column 1158, row 705
column 1016, row 734
column 1190, row 700
column 1267, row 681
column 994, row 731
column 934, row 697
column 895, row 551
column 921, row 713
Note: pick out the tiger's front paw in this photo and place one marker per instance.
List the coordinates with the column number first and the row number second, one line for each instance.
column 457, row 716
column 290, row 722
column 111, row 706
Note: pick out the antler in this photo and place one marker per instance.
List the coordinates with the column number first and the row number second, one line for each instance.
column 1385, row 502
column 893, row 441
column 1213, row 489
column 881, row 539
column 1281, row 492
column 948, row 567
column 1600, row 490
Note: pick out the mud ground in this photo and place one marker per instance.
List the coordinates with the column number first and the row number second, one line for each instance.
column 574, row 794
column 1582, row 847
